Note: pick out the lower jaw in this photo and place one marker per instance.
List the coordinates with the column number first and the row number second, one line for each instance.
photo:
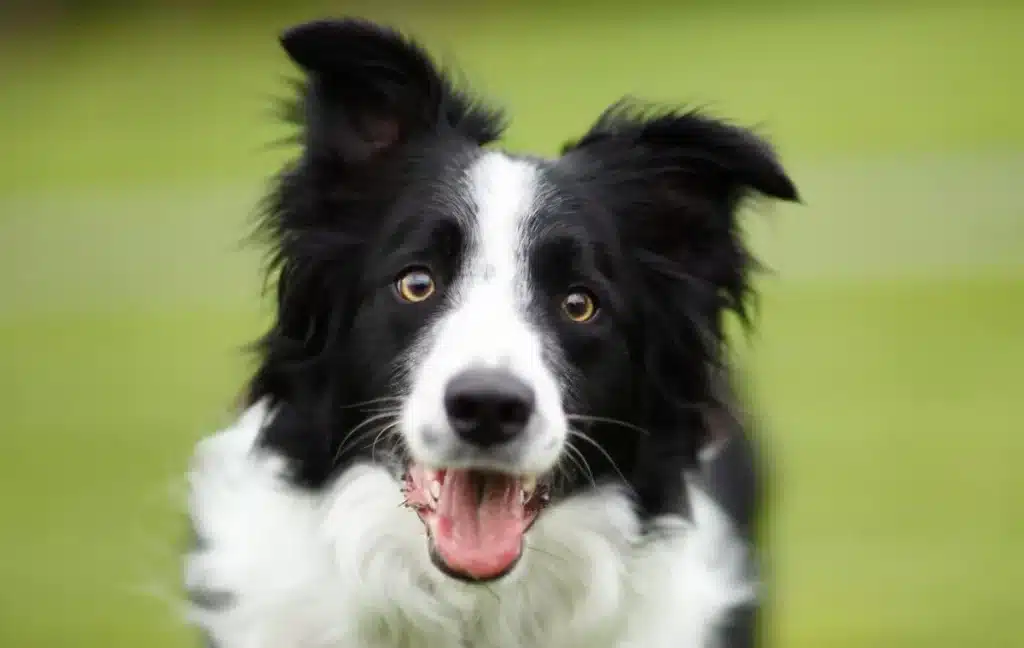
column 481, row 568
column 459, row 575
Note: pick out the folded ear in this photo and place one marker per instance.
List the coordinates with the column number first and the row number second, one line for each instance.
column 369, row 89
column 691, row 144
column 676, row 181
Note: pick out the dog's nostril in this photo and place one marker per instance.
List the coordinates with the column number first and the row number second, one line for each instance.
column 515, row 412
column 462, row 408
column 488, row 406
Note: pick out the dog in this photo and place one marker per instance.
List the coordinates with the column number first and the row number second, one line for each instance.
column 494, row 408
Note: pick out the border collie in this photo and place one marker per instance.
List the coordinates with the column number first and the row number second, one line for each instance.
column 493, row 410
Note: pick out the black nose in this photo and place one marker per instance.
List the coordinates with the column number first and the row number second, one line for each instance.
column 488, row 406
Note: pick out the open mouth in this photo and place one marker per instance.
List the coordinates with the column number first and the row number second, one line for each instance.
column 475, row 519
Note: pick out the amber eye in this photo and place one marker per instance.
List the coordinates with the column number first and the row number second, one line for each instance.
column 579, row 306
column 415, row 285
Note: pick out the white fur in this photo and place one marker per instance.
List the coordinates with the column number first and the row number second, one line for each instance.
column 348, row 567
column 484, row 323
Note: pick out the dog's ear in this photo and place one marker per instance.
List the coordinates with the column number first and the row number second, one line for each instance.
column 677, row 180
column 369, row 89
column 694, row 144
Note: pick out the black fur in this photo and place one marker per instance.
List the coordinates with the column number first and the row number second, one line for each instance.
column 672, row 183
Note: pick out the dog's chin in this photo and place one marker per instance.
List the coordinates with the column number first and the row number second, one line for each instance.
column 476, row 520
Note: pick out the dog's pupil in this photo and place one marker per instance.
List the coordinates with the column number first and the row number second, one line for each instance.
column 576, row 305
column 418, row 284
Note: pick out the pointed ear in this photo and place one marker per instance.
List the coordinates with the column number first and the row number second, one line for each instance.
column 369, row 89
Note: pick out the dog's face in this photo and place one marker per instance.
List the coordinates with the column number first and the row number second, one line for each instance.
column 502, row 331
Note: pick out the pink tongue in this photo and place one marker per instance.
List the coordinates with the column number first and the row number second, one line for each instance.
column 480, row 522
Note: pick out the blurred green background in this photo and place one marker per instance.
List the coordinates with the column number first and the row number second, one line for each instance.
column 136, row 138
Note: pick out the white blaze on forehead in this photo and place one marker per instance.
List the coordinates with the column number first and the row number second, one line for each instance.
column 503, row 196
column 491, row 294
column 486, row 320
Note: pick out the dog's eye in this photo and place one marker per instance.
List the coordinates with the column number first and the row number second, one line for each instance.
column 415, row 285
column 579, row 306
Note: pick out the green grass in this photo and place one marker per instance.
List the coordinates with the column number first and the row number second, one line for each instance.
column 887, row 365
column 890, row 404
column 104, row 409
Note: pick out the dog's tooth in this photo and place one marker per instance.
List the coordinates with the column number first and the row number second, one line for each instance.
column 529, row 485
column 435, row 489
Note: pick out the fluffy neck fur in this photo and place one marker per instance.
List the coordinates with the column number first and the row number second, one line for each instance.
column 276, row 567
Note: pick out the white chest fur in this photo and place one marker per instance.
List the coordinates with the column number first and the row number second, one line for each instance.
column 348, row 567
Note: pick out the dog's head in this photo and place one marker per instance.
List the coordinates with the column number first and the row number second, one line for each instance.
column 501, row 331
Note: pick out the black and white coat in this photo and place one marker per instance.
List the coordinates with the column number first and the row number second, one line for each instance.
column 586, row 292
